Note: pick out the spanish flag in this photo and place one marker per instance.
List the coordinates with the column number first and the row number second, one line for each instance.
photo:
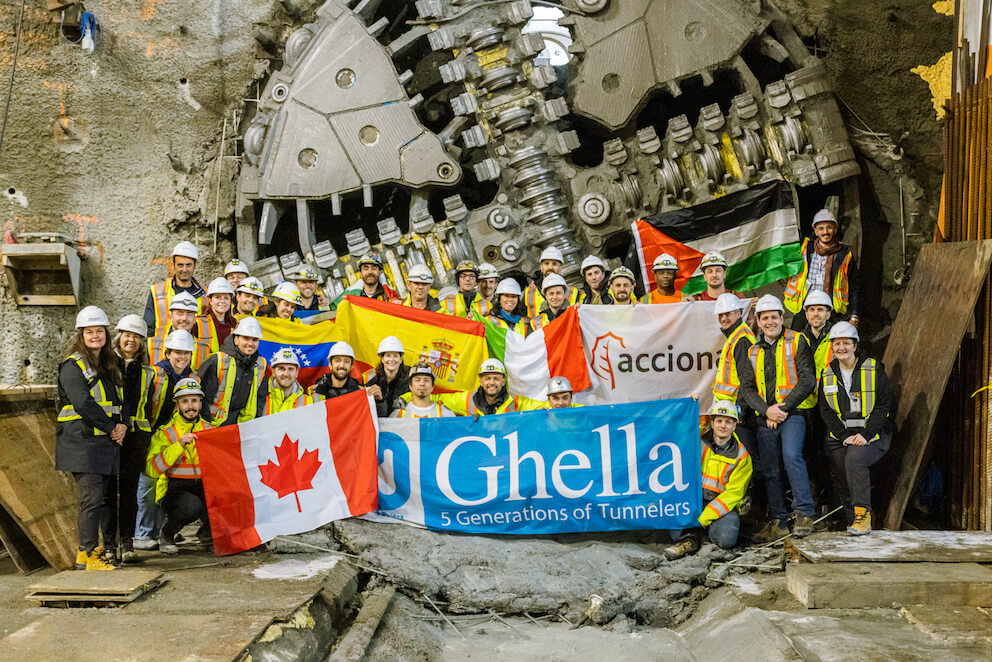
column 454, row 347
column 310, row 343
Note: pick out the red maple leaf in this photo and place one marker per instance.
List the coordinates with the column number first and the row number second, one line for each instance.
column 293, row 473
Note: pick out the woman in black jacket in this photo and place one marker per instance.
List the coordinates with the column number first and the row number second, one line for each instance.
column 90, row 427
column 390, row 379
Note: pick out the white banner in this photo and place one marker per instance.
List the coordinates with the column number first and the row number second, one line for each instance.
column 651, row 352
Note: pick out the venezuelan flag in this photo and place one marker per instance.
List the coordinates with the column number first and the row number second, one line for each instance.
column 310, row 342
column 454, row 347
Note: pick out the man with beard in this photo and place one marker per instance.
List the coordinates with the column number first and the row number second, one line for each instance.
column 306, row 279
column 339, row 380
column 490, row 398
column 285, row 392
column 233, row 379
column 622, row 282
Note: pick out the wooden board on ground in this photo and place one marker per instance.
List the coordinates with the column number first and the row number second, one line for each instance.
column 116, row 582
column 865, row 585
column 942, row 294
column 895, row 547
column 23, row 553
column 954, row 625
column 41, row 499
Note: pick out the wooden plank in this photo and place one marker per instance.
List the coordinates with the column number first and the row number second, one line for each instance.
column 76, row 600
column 42, row 501
column 866, row 585
column 954, row 625
column 118, row 582
column 895, row 547
column 25, row 555
column 27, row 393
column 941, row 295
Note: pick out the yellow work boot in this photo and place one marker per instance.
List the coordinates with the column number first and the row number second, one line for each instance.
column 81, row 559
column 862, row 522
column 96, row 562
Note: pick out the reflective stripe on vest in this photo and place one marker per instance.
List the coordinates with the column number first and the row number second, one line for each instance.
column 186, row 467
column 138, row 421
column 162, row 295
column 796, row 289
column 97, row 392
column 293, row 401
column 727, row 380
column 226, row 374
column 533, row 300
column 368, row 375
column 868, row 381
column 786, row 372
column 718, row 483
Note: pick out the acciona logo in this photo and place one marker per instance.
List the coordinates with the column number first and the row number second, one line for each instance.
column 611, row 355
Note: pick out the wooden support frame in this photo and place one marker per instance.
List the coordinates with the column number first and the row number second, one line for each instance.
column 23, row 262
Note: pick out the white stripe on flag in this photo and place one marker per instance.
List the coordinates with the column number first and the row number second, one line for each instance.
column 526, row 361
column 738, row 244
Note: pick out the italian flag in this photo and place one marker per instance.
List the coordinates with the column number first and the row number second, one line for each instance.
column 552, row 351
column 756, row 230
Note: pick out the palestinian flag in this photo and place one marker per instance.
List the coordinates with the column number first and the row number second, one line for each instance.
column 757, row 230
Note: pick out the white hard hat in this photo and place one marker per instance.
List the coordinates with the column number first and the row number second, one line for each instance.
column 592, row 261
column 220, row 285
column 288, row 292
column 184, row 301
column 341, row 348
column 725, row 408
column 487, row 270
column 186, row 249
column 509, row 286
column 187, row 386
column 180, row 340
column 134, row 324
column 767, row 303
column 390, row 344
column 447, row 292
column 248, row 327
column 623, row 272
column 727, row 302
column 559, row 385
column 304, row 272
column 91, row 316
column 824, row 216
column 665, row 261
column 420, row 273
column 236, row 266
column 252, row 285
column 421, row 368
column 552, row 253
column 713, row 259
column 285, row 355
column 818, row 298
column 844, row 330
column 553, row 280
column 492, row 365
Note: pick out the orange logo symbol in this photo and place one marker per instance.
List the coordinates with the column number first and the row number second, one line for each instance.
column 600, row 360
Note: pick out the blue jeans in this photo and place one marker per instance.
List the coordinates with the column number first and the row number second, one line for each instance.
column 785, row 445
column 150, row 516
column 722, row 532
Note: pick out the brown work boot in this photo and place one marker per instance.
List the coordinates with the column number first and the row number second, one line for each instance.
column 772, row 531
column 803, row 526
column 682, row 548
column 862, row 522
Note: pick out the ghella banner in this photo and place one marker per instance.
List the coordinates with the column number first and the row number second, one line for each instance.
column 632, row 466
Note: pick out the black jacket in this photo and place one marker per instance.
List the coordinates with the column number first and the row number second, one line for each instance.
column 245, row 366
column 135, row 447
column 391, row 391
column 77, row 447
column 168, row 404
column 325, row 388
column 805, row 385
column 604, row 295
column 879, row 421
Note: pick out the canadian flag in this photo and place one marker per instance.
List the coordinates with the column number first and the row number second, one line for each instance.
column 290, row 472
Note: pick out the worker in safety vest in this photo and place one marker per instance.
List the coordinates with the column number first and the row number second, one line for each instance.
column 370, row 270
column 90, row 428
column 726, row 475
column 338, row 381
column 828, row 265
column 776, row 382
column 468, row 300
column 307, row 282
column 714, row 268
column 235, row 272
column 594, row 287
column 550, row 262
column 554, row 302
column 818, row 324
column 490, row 398
column 666, row 271
column 560, row 394
column 418, row 282
column 508, row 313
column 734, row 353
column 175, row 465
column 233, row 379
column 622, row 282
column 390, row 379
column 855, row 403
column 420, row 405
column 286, row 299
column 216, row 323
column 488, row 280
column 182, row 316
column 184, row 258
column 248, row 297
column 285, row 392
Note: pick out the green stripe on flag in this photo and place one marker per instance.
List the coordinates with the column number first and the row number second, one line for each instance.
column 760, row 269
column 495, row 337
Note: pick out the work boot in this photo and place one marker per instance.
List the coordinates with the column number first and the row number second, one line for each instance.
column 167, row 545
column 145, row 544
column 862, row 522
column 109, row 554
column 682, row 548
column 81, row 559
column 803, row 526
column 128, row 555
column 96, row 562
column 772, row 531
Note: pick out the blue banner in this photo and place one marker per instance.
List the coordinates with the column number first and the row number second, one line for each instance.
column 613, row 467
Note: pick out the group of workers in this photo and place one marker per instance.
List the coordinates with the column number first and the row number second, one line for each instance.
column 131, row 403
